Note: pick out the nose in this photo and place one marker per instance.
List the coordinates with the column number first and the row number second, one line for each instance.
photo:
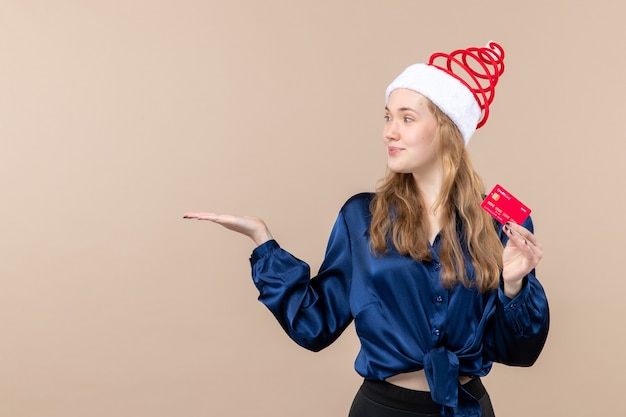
column 390, row 131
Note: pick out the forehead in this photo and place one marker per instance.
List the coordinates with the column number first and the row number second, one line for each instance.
column 405, row 98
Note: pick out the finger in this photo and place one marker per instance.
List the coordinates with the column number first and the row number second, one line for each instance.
column 199, row 216
column 532, row 253
column 209, row 216
column 518, row 240
column 514, row 229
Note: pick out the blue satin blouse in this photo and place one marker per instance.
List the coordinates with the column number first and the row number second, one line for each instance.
column 404, row 317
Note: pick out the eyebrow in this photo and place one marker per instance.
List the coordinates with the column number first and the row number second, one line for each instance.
column 403, row 109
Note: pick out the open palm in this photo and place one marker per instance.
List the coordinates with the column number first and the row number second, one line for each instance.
column 253, row 227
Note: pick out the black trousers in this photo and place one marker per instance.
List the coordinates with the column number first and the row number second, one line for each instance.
column 383, row 399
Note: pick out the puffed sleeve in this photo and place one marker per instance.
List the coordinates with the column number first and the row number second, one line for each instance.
column 313, row 311
column 519, row 327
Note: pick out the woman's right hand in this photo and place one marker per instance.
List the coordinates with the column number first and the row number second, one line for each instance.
column 253, row 227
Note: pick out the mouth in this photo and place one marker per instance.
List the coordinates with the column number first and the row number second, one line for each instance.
column 392, row 150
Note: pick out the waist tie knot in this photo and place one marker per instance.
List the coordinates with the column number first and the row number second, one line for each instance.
column 442, row 373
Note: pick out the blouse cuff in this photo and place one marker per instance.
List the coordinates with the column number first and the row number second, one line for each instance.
column 512, row 302
column 262, row 250
column 527, row 312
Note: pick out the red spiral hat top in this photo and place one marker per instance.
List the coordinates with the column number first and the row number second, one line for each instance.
column 477, row 68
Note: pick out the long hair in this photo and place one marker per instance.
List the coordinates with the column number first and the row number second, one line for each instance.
column 399, row 215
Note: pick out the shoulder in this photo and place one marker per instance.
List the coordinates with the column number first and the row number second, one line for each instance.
column 355, row 214
column 356, row 210
column 358, row 202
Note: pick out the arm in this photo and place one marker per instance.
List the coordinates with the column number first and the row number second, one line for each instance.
column 313, row 312
column 519, row 327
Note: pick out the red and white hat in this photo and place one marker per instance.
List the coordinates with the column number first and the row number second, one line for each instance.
column 462, row 85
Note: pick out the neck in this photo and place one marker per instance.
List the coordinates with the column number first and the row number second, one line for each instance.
column 429, row 186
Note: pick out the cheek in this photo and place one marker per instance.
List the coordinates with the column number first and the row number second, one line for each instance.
column 429, row 138
column 423, row 141
column 426, row 146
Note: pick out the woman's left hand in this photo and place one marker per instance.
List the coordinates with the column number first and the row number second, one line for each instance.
column 521, row 255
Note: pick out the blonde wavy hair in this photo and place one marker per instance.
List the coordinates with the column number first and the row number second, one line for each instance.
column 398, row 214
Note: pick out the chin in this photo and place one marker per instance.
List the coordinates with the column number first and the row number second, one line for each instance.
column 397, row 170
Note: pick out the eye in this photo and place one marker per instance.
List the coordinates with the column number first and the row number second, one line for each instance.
column 408, row 119
column 387, row 118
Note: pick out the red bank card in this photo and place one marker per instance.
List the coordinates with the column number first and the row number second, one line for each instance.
column 504, row 207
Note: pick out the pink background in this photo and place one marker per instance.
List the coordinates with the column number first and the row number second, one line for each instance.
column 117, row 116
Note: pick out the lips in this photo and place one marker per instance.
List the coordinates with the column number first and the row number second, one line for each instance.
column 392, row 150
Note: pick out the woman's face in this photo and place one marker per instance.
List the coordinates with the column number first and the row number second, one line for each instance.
column 409, row 133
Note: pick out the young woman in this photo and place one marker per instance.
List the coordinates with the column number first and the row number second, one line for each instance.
column 437, row 290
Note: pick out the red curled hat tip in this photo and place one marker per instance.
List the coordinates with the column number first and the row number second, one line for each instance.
column 477, row 68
